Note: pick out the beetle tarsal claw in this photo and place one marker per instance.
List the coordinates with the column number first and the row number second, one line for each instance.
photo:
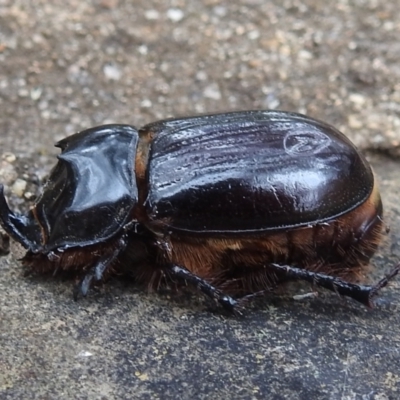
column 228, row 302
column 86, row 283
column 83, row 286
column 384, row 282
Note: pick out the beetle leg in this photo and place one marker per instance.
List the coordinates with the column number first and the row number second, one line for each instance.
column 228, row 302
column 4, row 244
column 361, row 293
column 96, row 271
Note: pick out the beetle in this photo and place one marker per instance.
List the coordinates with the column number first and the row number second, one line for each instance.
column 233, row 204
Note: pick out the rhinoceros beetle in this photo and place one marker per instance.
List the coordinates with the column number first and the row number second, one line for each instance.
column 233, row 204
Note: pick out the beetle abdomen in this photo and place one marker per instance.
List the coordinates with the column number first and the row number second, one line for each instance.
column 341, row 247
column 251, row 171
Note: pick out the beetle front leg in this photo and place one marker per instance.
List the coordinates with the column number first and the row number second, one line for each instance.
column 228, row 302
column 97, row 271
column 361, row 293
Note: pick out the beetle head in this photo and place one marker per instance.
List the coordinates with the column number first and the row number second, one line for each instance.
column 23, row 228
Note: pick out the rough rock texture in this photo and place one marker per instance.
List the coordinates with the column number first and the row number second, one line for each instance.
column 66, row 66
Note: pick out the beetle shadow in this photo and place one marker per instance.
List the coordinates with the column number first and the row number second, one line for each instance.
column 284, row 299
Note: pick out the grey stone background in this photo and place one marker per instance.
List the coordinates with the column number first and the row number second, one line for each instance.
column 69, row 65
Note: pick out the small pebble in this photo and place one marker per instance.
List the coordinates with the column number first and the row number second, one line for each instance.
column 304, row 296
column 175, row 14
column 19, row 187
column 357, row 98
column 9, row 157
column 112, row 72
column 151, row 14
column 212, row 92
column 354, row 121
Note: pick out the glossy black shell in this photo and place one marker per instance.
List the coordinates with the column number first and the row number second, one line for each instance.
column 223, row 174
column 89, row 194
column 92, row 190
column 251, row 172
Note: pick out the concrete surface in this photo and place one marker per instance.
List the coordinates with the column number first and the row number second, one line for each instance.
column 66, row 66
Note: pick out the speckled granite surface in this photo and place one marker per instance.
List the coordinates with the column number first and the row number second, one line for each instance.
column 66, row 66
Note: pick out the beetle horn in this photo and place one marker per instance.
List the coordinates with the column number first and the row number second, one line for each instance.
column 19, row 227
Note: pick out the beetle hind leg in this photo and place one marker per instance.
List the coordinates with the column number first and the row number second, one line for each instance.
column 362, row 293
